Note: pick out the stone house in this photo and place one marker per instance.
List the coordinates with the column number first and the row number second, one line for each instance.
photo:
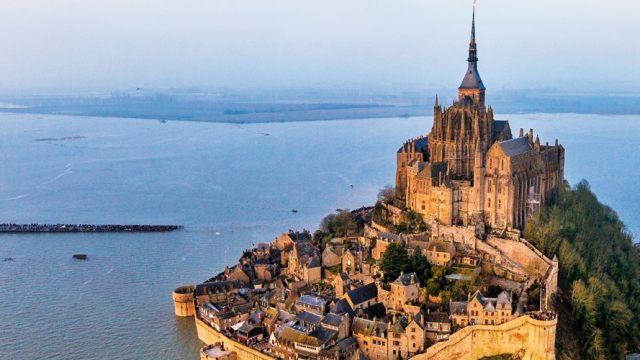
column 216, row 291
column 402, row 337
column 362, row 297
column 304, row 262
column 404, row 289
column 353, row 259
column 383, row 240
column 440, row 253
column 311, row 303
column 339, row 323
column 331, row 256
column 438, row 326
column 305, row 344
column 481, row 310
column 286, row 241
column 342, row 284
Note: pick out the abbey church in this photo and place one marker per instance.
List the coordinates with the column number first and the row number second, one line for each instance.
column 470, row 169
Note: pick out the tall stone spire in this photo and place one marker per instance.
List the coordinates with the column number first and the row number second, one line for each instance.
column 473, row 50
column 472, row 86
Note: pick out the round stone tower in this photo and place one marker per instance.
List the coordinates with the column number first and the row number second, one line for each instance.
column 183, row 300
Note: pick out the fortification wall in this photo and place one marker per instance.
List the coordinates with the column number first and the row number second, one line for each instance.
column 533, row 338
column 183, row 301
column 209, row 336
column 459, row 235
column 523, row 253
column 500, row 263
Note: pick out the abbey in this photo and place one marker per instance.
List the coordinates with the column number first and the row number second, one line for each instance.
column 469, row 169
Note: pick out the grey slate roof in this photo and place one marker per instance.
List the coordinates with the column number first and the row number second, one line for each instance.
column 472, row 78
column 363, row 293
column 332, row 319
column 310, row 300
column 342, row 307
column 216, row 287
column 407, row 279
column 515, row 146
column 458, row 307
column 309, row 318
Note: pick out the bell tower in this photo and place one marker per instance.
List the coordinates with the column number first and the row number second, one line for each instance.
column 472, row 89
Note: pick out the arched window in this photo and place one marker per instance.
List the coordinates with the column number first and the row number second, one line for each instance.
column 489, row 202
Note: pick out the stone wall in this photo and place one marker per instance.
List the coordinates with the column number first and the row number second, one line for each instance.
column 459, row 235
column 209, row 336
column 523, row 253
column 495, row 260
column 533, row 338
column 183, row 301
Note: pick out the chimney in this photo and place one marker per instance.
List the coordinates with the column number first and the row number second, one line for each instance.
column 531, row 135
column 521, row 132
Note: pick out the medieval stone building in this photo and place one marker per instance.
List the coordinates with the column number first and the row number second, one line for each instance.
column 469, row 168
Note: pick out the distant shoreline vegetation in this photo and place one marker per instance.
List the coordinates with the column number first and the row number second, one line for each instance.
column 262, row 108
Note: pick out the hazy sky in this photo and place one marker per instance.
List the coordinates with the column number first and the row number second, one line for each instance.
column 63, row 45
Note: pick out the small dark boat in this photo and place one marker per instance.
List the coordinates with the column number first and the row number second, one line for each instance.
column 8, row 259
column 79, row 256
column 295, row 211
column 351, row 186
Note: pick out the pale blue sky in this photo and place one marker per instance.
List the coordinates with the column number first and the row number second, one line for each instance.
column 62, row 45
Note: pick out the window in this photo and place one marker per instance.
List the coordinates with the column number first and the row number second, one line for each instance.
column 489, row 186
column 501, row 164
column 499, row 204
column 489, row 202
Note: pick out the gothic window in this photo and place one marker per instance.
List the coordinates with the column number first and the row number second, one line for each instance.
column 489, row 186
column 489, row 202
column 499, row 204
column 501, row 164
column 499, row 185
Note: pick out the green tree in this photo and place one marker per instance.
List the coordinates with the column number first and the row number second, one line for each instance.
column 340, row 224
column 394, row 261
column 599, row 273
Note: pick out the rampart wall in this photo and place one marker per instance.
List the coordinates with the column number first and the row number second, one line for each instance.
column 209, row 335
column 523, row 253
column 535, row 339
column 183, row 301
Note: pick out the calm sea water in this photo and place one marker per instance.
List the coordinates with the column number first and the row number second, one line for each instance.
column 239, row 180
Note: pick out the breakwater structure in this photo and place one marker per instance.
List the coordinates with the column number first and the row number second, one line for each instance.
column 71, row 228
